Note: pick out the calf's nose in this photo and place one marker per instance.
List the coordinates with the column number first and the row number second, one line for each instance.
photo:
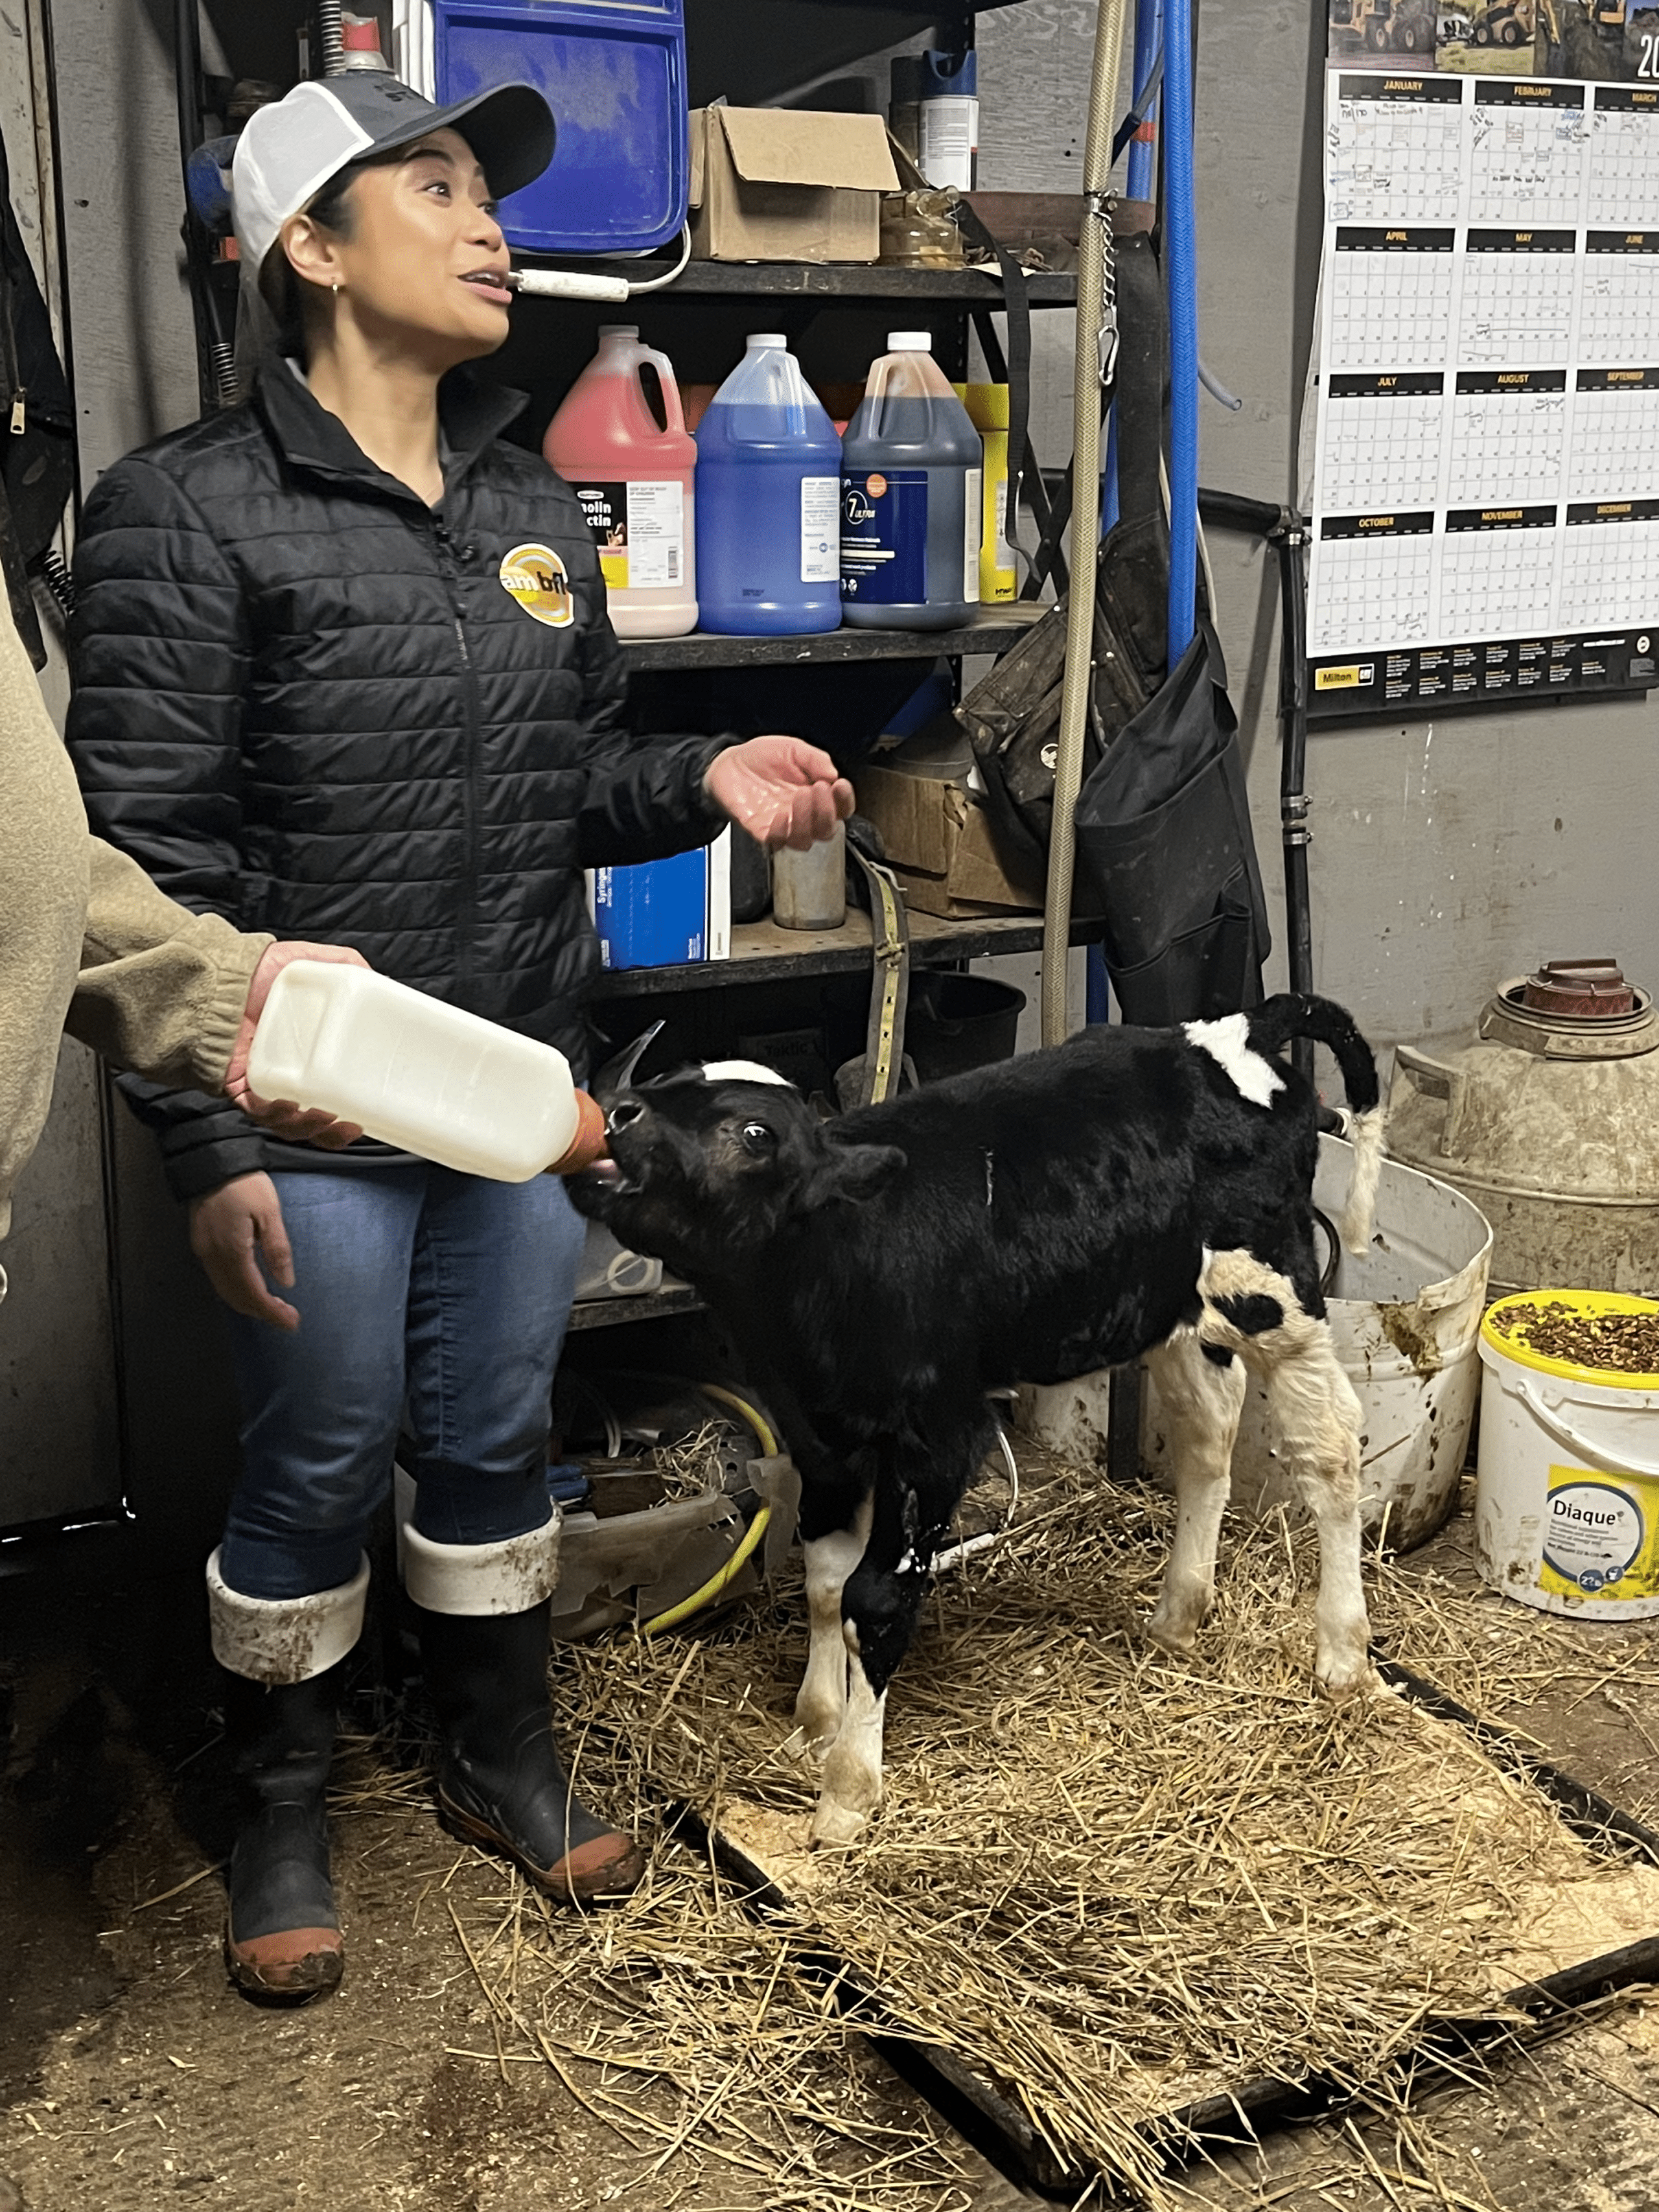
column 623, row 1116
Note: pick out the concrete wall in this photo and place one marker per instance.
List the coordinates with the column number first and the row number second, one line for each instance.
column 1448, row 854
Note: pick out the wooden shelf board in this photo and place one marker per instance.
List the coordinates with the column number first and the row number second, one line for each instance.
column 764, row 953
column 851, row 282
column 994, row 632
column 649, row 1305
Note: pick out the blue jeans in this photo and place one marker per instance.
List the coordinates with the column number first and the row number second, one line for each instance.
column 418, row 1290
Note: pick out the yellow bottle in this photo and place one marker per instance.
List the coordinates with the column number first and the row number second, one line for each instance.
column 988, row 410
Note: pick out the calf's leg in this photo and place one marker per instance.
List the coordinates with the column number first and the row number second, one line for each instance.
column 1202, row 1396
column 1252, row 1310
column 830, row 1559
column 910, row 1511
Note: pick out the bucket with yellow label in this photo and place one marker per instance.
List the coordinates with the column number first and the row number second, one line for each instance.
column 1567, row 1501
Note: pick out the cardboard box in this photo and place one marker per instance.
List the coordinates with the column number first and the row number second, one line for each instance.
column 777, row 184
column 944, row 850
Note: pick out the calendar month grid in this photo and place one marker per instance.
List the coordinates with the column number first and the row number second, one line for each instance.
column 1489, row 368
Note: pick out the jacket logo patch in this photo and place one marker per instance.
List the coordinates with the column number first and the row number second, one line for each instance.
column 535, row 575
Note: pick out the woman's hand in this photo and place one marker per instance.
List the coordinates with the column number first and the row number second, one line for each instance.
column 230, row 1230
column 781, row 790
column 281, row 1116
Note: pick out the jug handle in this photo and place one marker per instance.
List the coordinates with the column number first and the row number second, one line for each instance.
column 670, row 393
column 1582, row 1447
column 1439, row 1080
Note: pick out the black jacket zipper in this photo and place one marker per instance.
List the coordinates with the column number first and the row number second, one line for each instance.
column 449, row 565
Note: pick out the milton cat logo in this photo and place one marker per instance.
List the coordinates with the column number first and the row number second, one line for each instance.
column 535, row 575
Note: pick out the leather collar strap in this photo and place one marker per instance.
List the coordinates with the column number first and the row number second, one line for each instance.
column 890, row 995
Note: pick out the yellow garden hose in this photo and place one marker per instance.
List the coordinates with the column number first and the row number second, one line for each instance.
column 756, row 1528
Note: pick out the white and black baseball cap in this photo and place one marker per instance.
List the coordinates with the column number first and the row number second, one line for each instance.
column 289, row 149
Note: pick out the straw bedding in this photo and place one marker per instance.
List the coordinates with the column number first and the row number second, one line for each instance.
column 1110, row 1880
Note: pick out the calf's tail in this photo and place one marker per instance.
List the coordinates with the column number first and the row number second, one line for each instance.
column 1292, row 1014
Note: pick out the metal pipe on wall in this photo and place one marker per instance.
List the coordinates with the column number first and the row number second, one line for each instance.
column 1096, row 343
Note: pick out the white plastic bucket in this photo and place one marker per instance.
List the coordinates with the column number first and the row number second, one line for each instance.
column 1566, row 1514
column 1404, row 1318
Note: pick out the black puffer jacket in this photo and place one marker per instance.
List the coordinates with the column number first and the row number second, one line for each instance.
column 308, row 702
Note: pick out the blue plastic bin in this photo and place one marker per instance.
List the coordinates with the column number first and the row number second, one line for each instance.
column 614, row 78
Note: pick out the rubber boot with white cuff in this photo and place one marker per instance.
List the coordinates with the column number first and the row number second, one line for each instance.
column 484, row 1612
column 284, row 1659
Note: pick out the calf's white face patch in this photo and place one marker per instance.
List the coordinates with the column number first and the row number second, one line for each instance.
column 741, row 1070
column 1228, row 1043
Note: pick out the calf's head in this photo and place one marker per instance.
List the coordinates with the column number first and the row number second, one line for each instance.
column 708, row 1163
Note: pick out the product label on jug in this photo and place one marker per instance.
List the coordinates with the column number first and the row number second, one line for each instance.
column 884, row 536
column 1601, row 1536
column 640, row 530
column 1002, row 553
column 820, row 530
column 973, row 517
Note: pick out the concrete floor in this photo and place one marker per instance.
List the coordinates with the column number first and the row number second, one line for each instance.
column 131, row 2074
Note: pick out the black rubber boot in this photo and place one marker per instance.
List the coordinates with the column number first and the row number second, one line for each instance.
column 283, row 1935
column 500, row 1783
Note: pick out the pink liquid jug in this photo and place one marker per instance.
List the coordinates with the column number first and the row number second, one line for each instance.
column 634, row 478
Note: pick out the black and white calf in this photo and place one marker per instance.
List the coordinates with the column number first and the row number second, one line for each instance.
column 1132, row 1191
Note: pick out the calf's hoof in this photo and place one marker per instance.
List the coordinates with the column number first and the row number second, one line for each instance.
column 1346, row 1679
column 1178, row 1638
column 836, row 1827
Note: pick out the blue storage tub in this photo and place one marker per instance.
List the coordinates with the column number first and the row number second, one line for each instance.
column 614, row 78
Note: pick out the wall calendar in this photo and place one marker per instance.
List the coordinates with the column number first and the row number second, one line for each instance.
column 1485, row 448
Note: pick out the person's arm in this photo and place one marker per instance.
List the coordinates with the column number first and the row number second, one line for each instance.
column 160, row 653
column 649, row 797
column 645, row 798
column 43, row 897
column 160, row 989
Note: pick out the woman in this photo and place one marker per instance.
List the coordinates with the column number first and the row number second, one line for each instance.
column 313, row 689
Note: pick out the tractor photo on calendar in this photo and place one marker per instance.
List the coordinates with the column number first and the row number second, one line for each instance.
column 1606, row 41
column 1498, row 38
column 1362, row 28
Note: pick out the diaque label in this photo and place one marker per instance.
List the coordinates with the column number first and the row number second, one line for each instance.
column 1601, row 1536
column 640, row 531
column 820, row 530
column 884, row 536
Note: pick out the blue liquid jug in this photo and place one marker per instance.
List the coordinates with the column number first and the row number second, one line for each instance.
column 912, row 468
column 769, row 492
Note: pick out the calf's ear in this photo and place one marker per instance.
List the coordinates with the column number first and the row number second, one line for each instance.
column 853, row 1172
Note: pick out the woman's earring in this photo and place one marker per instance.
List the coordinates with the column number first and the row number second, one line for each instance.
column 335, row 291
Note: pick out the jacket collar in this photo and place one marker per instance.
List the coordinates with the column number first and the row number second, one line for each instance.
column 470, row 417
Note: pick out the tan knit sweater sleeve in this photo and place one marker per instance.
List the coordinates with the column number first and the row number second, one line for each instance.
column 85, row 939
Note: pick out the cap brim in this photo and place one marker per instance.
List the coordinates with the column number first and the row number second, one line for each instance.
column 510, row 129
